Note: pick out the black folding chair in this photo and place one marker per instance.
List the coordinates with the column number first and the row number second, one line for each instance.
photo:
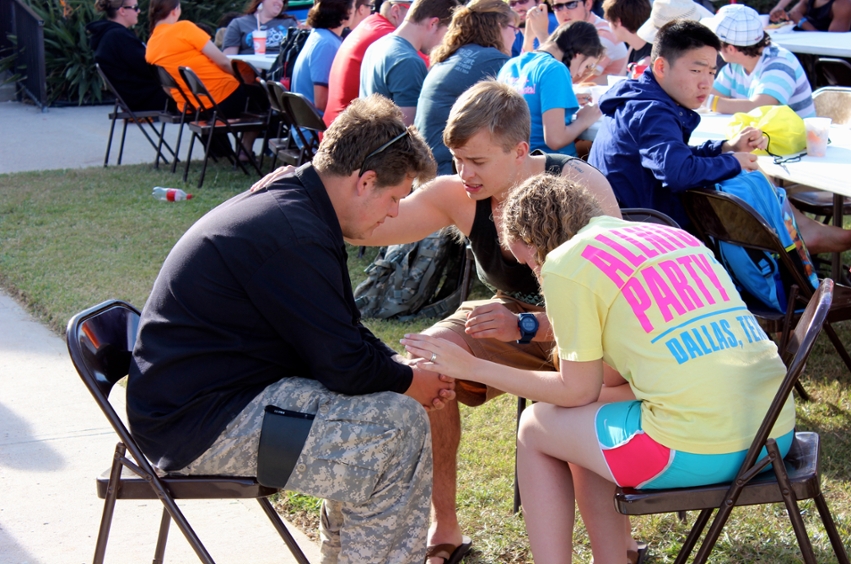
column 121, row 111
column 281, row 144
column 180, row 118
column 100, row 342
column 210, row 119
column 795, row 477
column 719, row 216
column 640, row 215
column 306, row 123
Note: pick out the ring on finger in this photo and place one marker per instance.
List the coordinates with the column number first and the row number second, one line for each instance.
column 433, row 357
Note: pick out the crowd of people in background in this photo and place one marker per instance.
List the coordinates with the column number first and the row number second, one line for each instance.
column 489, row 88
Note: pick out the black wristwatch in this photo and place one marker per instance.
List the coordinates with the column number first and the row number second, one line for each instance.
column 528, row 324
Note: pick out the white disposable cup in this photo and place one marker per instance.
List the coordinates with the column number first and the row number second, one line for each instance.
column 583, row 94
column 818, row 129
column 259, row 38
column 596, row 92
column 764, row 18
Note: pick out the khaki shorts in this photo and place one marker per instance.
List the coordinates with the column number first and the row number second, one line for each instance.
column 536, row 355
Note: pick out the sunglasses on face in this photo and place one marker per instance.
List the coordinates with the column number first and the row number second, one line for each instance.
column 566, row 5
column 135, row 8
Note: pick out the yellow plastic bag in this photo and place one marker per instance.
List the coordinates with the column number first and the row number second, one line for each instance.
column 783, row 127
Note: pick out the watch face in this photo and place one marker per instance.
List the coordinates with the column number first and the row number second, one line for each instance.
column 528, row 324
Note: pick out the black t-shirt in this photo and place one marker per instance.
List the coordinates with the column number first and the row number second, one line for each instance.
column 257, row 290
column 635, row 55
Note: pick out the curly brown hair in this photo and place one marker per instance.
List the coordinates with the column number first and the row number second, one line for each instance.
column 480, row 22
column 545, row 212
column 754, row 50
column 366, row 125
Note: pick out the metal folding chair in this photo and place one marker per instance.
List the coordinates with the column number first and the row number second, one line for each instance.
column 100, row 341
column 794, row 478
column 121, row 111
column 209, row 119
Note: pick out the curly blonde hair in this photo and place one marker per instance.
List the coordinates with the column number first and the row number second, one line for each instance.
column 480, row 22
column 545, row 212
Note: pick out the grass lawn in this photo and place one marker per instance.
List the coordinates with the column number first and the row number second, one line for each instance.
column 71, row 239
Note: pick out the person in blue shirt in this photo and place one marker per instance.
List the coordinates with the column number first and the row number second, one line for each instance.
column 543, row 77
column 474, row 48
column 313, row 65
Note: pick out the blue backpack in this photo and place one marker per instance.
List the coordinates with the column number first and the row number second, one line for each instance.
column 757, row 272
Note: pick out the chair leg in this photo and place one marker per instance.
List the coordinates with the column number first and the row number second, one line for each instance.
column 189, row 156
column 160, row 148
column 837, row 344
column 282, row 530
column 206, row 156
column 179, row 519
column 162, row 538
column 121, row 146
column 830, row 527
column 802, row 393
column 177, row 147
column 109, row 503
column 791, row 503
column 521, row 405
column 693, row 536
column 109, row 141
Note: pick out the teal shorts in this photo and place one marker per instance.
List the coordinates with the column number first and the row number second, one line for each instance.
column 637, row 461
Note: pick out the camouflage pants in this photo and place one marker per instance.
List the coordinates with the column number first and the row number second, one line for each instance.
column 368, row 457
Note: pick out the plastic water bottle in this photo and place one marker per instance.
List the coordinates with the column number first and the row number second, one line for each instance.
column 170, row 194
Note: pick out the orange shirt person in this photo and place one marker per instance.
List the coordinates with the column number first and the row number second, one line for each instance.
column 176, row 44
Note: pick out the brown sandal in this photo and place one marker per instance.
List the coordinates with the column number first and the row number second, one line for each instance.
column 637, row 556
column 450, row 553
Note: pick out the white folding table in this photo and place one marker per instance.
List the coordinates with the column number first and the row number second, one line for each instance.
column 261, row 62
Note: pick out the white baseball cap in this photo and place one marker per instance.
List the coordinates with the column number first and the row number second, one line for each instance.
column 736, row 24
column 664, row 11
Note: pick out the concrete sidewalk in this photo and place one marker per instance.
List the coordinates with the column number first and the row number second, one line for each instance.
column 54, row 442
column 72, row 137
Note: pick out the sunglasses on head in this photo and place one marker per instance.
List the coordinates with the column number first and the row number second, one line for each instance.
column 566, row 5
column 381, row 149
column 515, row 3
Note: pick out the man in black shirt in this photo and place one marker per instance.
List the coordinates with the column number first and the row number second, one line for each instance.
column 254, row 307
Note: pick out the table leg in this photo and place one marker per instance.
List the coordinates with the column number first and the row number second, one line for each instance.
column 838, row 205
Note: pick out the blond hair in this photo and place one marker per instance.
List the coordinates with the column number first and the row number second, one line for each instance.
column 480, row 22
column 492, row 105
column 366, row 125
column 545, row 212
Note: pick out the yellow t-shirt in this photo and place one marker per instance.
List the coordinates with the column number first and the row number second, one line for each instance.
column 179, row 45
column 654, row 304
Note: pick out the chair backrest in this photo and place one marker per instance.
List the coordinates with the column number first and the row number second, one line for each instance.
column 726, row 217
column 171, row 86
column 834, row 102
column 646, row 215
column 275, row 91
column 801, row 342
column 198, row 90
column 245, row 72
column 833, row 72
column 119, row 101
column 100, row 341
column 302, row 111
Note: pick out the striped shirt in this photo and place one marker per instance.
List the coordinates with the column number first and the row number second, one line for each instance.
column 777, row 74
